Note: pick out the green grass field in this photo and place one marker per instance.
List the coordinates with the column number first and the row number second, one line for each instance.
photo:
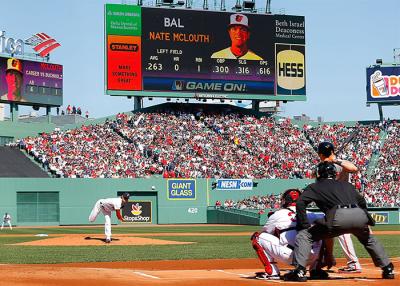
column 205, row 247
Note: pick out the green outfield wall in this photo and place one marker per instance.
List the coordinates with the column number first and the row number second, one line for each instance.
column 76, row 198
column 50, row 201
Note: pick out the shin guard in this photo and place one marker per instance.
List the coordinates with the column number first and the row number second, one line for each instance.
column 260, row 253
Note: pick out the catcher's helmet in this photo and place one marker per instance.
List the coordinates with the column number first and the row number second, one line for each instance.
column 289, row 197
column 326, row 170
column 326, row 148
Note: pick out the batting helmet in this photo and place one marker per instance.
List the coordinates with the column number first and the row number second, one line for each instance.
column 126, row 196
column 289, row 197
column 326, row 170
column 326, row 148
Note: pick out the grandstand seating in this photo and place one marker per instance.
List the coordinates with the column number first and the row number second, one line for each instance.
column 383, row 188
column 193, row 144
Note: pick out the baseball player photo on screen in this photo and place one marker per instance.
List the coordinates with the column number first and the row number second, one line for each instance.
column 239, row 33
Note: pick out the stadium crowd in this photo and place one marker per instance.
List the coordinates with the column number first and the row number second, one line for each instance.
column 383, row 189
column 217, row 145
column 93, row 151
column 272, row 201
column 279, row 149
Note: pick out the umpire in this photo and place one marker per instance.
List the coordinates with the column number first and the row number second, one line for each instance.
column 345, row 212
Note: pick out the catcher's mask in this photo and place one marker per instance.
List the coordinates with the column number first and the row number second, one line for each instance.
column 289, row 197
column 326, row 170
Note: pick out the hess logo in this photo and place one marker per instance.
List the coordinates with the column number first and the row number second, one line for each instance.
column 136, row 209
column 290, row 69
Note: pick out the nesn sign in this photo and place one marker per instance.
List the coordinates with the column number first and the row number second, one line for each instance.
column 245, row 184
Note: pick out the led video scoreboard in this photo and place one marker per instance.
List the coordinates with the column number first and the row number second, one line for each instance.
column 190, row 53
column 30, row 83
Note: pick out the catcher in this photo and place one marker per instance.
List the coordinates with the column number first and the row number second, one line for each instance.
column 277, row 237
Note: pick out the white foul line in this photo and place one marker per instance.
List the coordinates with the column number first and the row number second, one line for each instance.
column 227, row 272
column 146, row 275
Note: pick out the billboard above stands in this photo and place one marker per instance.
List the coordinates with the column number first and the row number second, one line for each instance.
column 234, row 184
column 30, row 83
column 383, row 84
column 188, row 53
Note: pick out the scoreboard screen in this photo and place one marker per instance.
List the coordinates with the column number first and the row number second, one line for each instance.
column 247, row 56
column 30, row 83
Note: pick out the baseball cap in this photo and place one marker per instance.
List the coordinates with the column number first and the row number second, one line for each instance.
column 126, row 196
column 239, row 19
column 14, row 64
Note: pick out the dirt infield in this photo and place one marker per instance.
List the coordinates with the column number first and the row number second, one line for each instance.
column 225, row 272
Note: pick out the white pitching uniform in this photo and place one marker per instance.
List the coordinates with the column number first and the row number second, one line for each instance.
column 278, row 237
column 345, row 240
column 106, row 206
column 6, row 220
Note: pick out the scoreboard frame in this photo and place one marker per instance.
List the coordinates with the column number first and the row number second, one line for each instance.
column 284, row 87
column 383, row 84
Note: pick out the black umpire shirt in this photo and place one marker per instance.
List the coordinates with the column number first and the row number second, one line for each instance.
column 327, row 193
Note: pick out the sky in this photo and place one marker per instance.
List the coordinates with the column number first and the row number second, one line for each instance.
column 342, row 38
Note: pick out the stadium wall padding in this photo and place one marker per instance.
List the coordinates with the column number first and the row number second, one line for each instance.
column 78, row 196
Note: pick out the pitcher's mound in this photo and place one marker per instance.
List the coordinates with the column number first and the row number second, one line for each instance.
column 80, row 240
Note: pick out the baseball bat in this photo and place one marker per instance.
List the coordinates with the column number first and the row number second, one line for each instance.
column 347, row 141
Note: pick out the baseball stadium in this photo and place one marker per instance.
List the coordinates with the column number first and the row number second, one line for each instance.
column 195, row 176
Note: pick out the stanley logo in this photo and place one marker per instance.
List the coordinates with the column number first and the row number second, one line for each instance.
column 136, row 209
column 122, row 47
column 290, row 71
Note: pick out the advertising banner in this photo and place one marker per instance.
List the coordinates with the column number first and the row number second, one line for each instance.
column 383, row 84
column 380, row 217
column 290, row 69
column 28, row 82
column 124, row 71
column 137, row 212
column 181, row 189
column 124, row 20
column 235, row 184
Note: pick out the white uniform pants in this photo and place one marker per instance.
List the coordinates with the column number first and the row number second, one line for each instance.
column 9, row 224
column 277, row 252
column 107, row 216
column 348, row 249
